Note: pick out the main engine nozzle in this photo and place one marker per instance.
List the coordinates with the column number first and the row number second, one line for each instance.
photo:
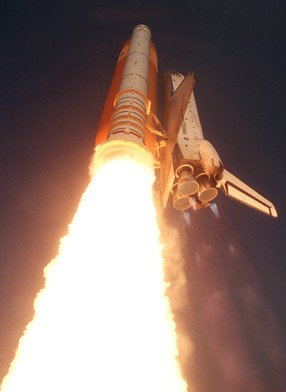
column 181, row 201
column 187, row 185
column 206, row 192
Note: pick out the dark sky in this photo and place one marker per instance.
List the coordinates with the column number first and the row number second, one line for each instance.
column 57, row 60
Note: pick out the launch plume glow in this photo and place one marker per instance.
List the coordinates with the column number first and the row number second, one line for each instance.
column 103, row 322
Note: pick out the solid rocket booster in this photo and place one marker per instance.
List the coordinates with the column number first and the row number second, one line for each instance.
column 131, row 102
column 123, row 126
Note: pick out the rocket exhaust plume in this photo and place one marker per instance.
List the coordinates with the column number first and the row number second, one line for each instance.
column 102, row 322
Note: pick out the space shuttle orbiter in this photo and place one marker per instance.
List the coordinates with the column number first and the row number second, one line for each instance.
column 186, row 165
column 197, row 171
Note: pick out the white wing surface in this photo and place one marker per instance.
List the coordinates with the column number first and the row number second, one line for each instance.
column 238, row 190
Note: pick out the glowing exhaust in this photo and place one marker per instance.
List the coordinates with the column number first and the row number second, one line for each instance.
column 103, row 322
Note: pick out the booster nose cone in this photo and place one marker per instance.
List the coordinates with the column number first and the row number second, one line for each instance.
column 187, row 185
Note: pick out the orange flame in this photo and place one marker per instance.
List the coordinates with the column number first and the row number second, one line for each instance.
column 103, row 322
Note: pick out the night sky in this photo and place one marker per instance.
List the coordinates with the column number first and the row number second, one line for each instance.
column 57, row 60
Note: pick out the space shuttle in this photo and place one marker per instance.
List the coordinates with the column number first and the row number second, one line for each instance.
column 186, row 165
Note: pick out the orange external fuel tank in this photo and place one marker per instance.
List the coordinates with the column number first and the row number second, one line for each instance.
column 131, row 103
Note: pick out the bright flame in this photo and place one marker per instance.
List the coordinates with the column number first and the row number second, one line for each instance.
column 102, row 322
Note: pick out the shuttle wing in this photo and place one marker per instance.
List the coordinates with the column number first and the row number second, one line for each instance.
column 238, row 190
